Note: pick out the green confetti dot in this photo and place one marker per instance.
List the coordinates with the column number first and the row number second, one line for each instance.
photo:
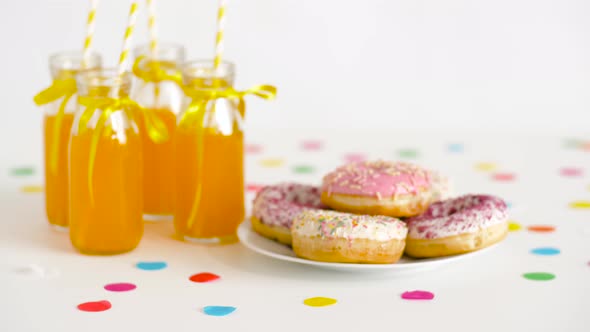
column 539, row 276
column 303, row 169
column 572, row 143
column 408, row 153
column 22, row 171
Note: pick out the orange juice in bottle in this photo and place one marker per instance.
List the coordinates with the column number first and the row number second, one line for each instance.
column 158, row 90
column 105, row 167
column 209, row 158
column 60, row 103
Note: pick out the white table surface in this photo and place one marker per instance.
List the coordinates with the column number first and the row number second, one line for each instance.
column 486, row 293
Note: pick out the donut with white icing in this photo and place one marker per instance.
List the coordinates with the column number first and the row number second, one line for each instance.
column 457, row 226
column 395, row 189
column 330, row 236
column 275, row 207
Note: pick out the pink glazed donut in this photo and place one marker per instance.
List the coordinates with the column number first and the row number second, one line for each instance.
column 457, row 226
column 395, row 189
column 276, row 206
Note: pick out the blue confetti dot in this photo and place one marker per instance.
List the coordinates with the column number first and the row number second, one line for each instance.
column 545, row 251
column 456, row 147
column 151, row 266
column 214, row 310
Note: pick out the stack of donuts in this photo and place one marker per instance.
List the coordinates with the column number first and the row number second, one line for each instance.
column 375, row 211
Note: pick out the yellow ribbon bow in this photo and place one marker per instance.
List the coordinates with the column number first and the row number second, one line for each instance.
column 156, row 129
column 194, row 117
column 60, row 88
column 156, row 71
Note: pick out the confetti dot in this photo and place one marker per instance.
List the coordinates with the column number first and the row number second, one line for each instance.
column 120, row 287
column 96, row 306
column 485, row 167
column 455, row 147
column 417, row 295
column 571, row 172
column 251, row 187
column 32, row 189
column 253, row 149
column 586, row 146
column 513, row 226
column 354, row 157
column 319, row 301
column 204, row 277
column 572, row 143
column 271, row 163
column 36, row 271
column 541, row 228
column 215, row 310
column 151, row 266
column 22, row 171
column 580, row 205
column 504, row 177
column 509, row 205
column 545, row 251
column 303, row 169
column 539, row 276
column 408, row 153
column 311, row 145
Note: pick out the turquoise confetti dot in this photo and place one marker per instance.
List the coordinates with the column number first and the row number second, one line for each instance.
column 214, row 310
column 456, row 147
column 151, row 266
column 545, row 251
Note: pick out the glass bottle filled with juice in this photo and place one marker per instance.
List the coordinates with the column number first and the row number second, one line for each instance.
column 58, row 118
column 158, row 90
column 105, row 167
column 209, row 202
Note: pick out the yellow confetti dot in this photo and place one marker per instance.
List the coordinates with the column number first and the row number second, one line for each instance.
column 272, row 162
column 580, row 205
column 319, row 301
column 485, row 167
column 514, row 226
column 32, row 189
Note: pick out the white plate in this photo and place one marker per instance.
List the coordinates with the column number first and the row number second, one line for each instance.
column 267, row 247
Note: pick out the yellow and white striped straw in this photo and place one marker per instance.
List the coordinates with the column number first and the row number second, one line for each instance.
column 90, row 23
column 152, row 27
column 220, row 31
column 131, row 19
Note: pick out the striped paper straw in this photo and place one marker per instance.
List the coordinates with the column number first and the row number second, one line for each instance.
column 151, row 4
column 90, row 22
column 126, row 42
column 219, row 36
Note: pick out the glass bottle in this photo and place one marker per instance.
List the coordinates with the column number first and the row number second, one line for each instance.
column 57, row 123
column 105, row 167
column 209, row 202
column 157, row 90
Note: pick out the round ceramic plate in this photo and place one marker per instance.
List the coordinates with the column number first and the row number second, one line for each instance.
column 267, row 247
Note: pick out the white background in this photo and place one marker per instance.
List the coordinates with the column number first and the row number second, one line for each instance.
column 510, row 65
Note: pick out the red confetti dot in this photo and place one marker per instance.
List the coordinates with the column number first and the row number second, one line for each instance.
column 311, row 145
column 254, row 187
column 571, row 172
column 204, row 277
column 95, row 306
column 541, row 228
column 504, row 177
column 253, row 149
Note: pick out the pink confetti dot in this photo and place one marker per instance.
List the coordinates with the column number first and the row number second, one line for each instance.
column 418, row 295
column 354, row 157
column 252, row 187
column 311, row 145
column 504, row 177
column 571, row 172
column 253, row 149
column 120, row 287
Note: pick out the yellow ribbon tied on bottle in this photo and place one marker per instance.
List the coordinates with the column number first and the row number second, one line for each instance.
column 156, row 71
column 156, row 129
column 193, row 118
column 60, row 88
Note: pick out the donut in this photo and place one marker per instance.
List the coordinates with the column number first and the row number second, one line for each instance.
column 275, row 207
column 330, row 236
column 456, row 226
column 395, row 189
